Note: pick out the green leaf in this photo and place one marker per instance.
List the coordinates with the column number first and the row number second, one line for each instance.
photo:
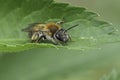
column 62, row 64
column 19, row 14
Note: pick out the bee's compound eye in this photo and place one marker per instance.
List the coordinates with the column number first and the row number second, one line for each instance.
column 61, row 35
column 57, row 35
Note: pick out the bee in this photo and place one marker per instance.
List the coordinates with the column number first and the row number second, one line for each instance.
column 53, row 32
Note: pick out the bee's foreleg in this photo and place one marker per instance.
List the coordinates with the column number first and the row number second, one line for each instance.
column 69, row 37
column 55, row 41
column 41, row 38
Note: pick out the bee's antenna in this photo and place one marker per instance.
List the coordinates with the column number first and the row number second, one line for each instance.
column 72, row 27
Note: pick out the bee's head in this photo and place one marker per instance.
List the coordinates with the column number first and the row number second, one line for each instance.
column 62, row 34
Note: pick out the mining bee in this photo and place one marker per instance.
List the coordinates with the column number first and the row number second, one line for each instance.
column 53, row 32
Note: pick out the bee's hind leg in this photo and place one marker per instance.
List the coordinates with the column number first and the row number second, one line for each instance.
column 36, row 37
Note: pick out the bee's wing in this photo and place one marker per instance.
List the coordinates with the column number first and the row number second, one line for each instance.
column 30, row 27
column 26, row 30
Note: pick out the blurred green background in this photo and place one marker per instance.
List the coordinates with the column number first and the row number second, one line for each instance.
column 107, row 9
column 53, row 64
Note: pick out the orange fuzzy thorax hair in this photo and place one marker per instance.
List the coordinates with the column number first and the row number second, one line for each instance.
column 53, row 27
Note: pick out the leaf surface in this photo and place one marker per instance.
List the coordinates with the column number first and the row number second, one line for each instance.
column 19, row 14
